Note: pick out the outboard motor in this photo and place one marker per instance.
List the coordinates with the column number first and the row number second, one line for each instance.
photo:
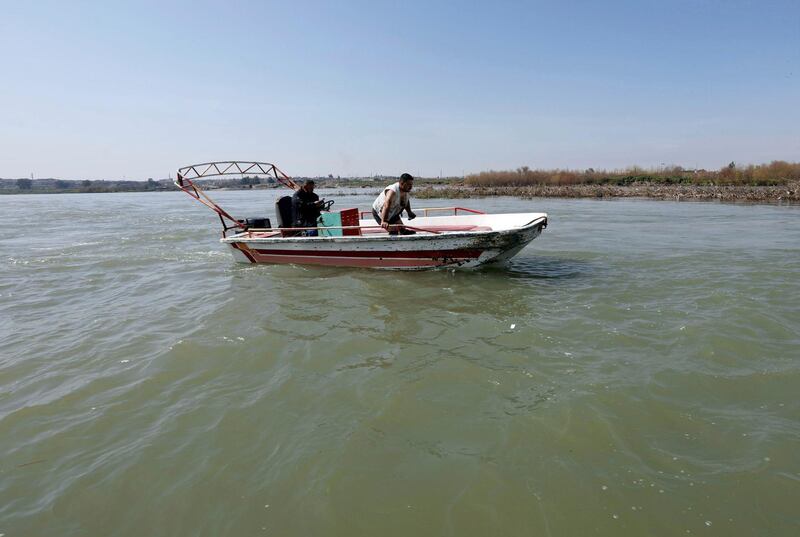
column 283, row 211
column 255, row 223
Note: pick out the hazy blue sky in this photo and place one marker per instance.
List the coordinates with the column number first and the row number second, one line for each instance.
column 137, row 89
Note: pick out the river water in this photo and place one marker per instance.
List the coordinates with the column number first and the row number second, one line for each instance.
column 633, row 371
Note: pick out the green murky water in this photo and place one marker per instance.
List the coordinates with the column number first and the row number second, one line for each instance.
column 634, row 371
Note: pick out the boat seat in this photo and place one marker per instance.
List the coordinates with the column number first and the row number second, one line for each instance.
column 283, row 211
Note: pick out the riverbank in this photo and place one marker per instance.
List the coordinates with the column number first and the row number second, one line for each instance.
column 784, row 193
column 789, row 192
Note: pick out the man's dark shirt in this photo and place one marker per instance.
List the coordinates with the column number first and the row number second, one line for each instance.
column 304, row 212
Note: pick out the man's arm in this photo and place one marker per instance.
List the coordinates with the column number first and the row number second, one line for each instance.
column 312, row 201
column 411, row 214
column 385, row 209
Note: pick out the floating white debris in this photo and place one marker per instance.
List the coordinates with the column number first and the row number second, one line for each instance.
column 266, row 506
column 708, row 522
column 124, row 361
column 615, row 517
column 240, row 338
column 513, row 326
column 604, row 487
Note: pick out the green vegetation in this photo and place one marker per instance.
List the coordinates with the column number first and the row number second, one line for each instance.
column 775, row 173
column 777, row 181
column 62, row 186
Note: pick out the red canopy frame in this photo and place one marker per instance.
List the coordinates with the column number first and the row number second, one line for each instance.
column 186, row 176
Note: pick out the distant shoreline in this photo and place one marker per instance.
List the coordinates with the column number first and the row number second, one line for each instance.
column 784, row 193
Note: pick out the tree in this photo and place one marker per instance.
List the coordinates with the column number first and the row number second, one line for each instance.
column 24, row 184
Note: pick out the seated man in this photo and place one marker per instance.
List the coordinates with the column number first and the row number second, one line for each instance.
column 306, row 208
column 390, row 204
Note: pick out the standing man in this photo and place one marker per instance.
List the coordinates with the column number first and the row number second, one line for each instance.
column 390, row 204
column 306, row 207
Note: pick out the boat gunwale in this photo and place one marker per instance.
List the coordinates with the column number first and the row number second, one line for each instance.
column 540, row 220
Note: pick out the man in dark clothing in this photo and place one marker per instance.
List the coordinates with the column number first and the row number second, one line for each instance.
column 306, row 207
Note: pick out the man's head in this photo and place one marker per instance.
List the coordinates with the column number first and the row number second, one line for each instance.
column 406, row 182
column 308, row 186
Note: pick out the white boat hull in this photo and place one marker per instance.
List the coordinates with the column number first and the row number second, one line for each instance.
column 494, row 239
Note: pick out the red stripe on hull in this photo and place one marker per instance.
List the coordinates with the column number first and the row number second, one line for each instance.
column 375, row 254
column 245, row 250
column 342, row 261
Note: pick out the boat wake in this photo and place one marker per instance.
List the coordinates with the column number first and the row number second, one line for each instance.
column 547, row 268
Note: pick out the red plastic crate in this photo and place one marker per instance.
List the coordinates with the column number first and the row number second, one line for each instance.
column 350, row 218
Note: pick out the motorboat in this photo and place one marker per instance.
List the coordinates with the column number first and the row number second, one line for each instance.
column 443, row 236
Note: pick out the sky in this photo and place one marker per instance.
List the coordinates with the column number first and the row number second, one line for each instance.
column 113, row 90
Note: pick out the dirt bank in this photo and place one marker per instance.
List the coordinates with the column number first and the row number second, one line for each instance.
column 682, row 192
